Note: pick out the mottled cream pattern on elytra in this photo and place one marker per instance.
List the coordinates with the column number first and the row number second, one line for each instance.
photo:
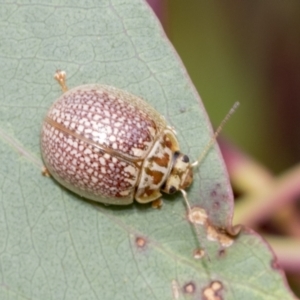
column 110, row 146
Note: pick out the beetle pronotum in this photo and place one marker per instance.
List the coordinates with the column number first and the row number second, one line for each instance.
column 110, row 146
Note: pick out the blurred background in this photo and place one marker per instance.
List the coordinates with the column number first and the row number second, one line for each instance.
column 246, row 51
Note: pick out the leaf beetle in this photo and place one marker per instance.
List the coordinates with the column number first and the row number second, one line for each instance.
column 110, row 146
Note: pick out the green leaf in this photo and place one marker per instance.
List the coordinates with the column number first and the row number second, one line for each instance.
column 55, row 245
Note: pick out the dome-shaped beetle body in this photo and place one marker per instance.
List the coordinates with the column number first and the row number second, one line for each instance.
column 110, row 146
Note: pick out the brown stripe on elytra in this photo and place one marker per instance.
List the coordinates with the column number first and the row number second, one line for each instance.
column 162, row 161
column 156, row 175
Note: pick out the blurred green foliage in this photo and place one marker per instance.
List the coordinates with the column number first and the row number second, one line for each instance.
column 245, row 51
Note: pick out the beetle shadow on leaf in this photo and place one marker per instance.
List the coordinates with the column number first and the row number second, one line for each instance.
column 166, row 198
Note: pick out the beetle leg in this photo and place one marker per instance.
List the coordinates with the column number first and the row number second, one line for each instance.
column 157, row 204
column 45, row 172
column 60, row 76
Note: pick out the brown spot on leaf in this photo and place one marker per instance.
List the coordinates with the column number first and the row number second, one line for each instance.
column 216, row 235
column 216, row 205
column 189, row 288
column 198, row 217
column 140, row 242
column 213, row 193
column 235, row 230
column 198, row 253
column 274, row 264
column 213, row 291
column 222, row 252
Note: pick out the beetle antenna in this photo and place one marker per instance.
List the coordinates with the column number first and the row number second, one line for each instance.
column 183, row 192
column 189, row 210
column 216, row 134
column 194, row 222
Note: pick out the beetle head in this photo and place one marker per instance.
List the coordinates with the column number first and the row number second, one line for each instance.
column 181, row 175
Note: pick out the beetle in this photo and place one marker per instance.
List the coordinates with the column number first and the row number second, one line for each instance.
column 110, row 146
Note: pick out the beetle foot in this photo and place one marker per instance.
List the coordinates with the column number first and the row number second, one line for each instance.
column 60, row 76
column 157, row 204
column 45, row 172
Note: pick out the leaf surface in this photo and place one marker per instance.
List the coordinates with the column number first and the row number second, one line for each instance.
column 55, row 245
